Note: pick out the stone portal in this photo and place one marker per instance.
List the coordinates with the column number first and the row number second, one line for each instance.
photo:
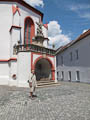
column 43, row 69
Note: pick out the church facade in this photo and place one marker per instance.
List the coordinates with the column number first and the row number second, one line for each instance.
column 24, row 44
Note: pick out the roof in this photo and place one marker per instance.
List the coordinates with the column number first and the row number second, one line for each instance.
column 23, row 3
column 62, row 48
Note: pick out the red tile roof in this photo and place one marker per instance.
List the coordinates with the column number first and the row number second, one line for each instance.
column 73, row 42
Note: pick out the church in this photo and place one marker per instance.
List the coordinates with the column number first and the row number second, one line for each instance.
column 24, row 45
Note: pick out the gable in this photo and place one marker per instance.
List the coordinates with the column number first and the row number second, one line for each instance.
column 23, row 3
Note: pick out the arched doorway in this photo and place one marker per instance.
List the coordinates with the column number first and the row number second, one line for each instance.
column 45, row 66
column 43, row 69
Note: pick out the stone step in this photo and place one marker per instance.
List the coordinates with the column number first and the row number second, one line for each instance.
column 44, row 79
column 46, row 83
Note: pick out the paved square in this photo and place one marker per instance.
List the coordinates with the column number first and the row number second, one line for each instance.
column 69, row 101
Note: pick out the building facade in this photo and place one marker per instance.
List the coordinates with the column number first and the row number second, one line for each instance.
column 73, row 60
column 24, row 44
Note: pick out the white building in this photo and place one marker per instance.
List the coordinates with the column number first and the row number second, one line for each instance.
column 73, row 60
column 20, row 50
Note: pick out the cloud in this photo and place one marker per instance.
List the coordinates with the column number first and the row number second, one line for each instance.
column 81, row 9
column 54, row 28
column 56, row 36
column 85, row 30
column 85, row 15
column 35, row 3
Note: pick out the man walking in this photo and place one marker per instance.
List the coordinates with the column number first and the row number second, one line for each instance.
column 32, row 84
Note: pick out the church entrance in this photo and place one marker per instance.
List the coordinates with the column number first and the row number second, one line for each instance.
column 43, row 69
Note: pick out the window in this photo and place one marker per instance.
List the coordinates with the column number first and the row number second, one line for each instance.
column 77, row 54
column 70, row 56
column 57, row 60
column 26, row 32
column 29, row 30
column 69, row 75
column 57, row 75
column 62, row 75
column 77, row 75
column 61, row 60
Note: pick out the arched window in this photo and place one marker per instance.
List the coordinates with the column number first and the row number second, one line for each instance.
column 29, row 30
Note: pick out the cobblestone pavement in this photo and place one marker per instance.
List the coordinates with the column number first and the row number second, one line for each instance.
column 69, row 101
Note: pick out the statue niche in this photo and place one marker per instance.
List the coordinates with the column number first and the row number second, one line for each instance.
column 39, row 29
column 39, row 38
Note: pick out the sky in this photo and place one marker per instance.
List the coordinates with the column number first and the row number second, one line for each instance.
column 67, row 19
